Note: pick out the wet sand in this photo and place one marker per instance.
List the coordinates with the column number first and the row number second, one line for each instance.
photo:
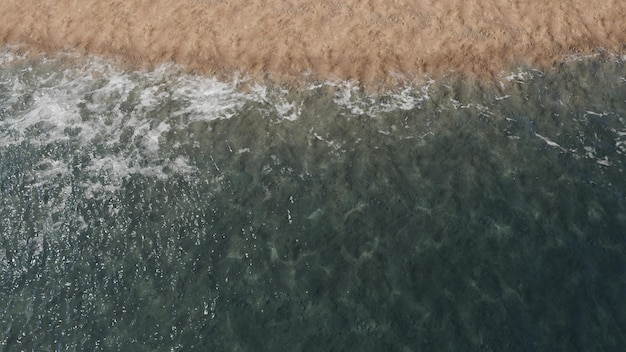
column 377, row 42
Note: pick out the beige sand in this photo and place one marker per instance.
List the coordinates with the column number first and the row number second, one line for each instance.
column 374, row 41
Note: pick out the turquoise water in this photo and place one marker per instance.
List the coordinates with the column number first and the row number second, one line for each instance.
column 159, row 211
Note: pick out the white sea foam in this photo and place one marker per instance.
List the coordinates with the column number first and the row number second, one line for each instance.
column 51, row 168
column 520, row 76
column 289, row 110
column 550, row 143
column 84, row 106
column 593, row 113
column 206, row 98
column 620, row 142
column 96, row 103
column 7, row 55
column 350, row 96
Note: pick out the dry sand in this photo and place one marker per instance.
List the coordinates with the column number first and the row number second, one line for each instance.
column 374, row 41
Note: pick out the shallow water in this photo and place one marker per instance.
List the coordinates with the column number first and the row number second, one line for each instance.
column 161, row 211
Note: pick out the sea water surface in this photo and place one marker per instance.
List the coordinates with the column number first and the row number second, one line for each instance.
column 162, row 211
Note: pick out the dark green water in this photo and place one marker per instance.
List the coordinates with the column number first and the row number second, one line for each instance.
column 155, row 211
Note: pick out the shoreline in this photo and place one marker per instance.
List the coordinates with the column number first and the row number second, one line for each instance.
column 376, row 43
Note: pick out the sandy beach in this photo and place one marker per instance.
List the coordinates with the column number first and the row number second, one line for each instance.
column 374, row 41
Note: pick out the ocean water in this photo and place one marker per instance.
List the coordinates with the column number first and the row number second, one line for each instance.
column 162, row 211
